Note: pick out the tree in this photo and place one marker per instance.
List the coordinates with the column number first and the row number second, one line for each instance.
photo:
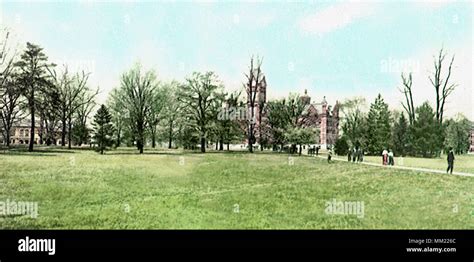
column 199, row 97
column 378, row 133
column 424, row 130
column 48, row 106
column 9, row 90
column 80, row 131
column 33, row 79
column 137, row 91
column 255, row 79
column 407, row 91
column 457, row 133
column 103, row 129
column 155, row 113
column 341, row 146
column 354, row 120
column 278, row 121
column 400, row 136
column 172, row 110
column 443, row 88
column 74, row 93
column 10, row 108
column 299, row 136
column 119, row 117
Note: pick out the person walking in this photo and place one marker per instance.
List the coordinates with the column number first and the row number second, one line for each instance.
column 384, row 157
column 390, row 157
column 329, row 155
column 450, row 161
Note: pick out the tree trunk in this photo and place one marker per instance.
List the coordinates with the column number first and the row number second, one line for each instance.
column 7, row 136
column 118, row 138
column 221, row 145
column 170, row 135
column 32, row 128
column 69, row 135
column 227, row 146
column 63, row 131
column 250, row 138
column 203, row 144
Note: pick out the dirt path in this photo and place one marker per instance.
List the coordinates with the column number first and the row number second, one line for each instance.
column 427, row 170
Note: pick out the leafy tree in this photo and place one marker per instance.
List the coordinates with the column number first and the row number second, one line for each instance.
column 103, row 129
column 400, row 136
column 155, row 114
column 425, row 130
column 457, row 133
column 137, row 93
column 341, row 146
column 299, row 136
column 172, row 110
column 354, row 122
column 119, row 116
column 199, row 97
column 278, row 121
column 378, row 133
column 33, row 79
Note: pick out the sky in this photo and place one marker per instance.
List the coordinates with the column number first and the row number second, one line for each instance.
column 336, row 49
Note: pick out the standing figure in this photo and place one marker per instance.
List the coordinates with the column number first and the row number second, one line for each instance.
column 384, row 157
column 317, row 150
column 349, row 153
column 329, row 155
column 450, row 161
column 390, row 157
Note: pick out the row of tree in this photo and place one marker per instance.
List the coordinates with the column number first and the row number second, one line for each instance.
column 143, row 109
column 32, row 86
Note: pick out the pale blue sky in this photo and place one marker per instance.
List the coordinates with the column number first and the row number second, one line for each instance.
column 337, row 49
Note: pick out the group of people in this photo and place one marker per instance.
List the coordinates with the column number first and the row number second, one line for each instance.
column 354, row 154
column 314, row 150
column 357, row 153
column 387, row 157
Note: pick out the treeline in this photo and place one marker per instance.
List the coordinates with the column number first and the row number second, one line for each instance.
column 54, row 101
column 417, row 131
column 197, row 112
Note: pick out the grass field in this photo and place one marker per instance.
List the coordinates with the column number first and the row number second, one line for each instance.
column 169, row 189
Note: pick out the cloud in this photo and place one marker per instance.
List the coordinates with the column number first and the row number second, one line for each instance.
column 335, row 17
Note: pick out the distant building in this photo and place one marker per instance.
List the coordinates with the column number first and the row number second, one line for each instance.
column 323, row 117
column 320, row 116
column 20, row 134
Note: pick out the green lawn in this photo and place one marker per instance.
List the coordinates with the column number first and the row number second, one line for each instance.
column 170, row 189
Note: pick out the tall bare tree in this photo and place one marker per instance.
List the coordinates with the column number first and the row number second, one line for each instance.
column 254, row 80
column 443, row 88
column 9, row 90
column 407, row 91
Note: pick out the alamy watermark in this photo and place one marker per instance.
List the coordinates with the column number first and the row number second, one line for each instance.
column 392, row 65
column 18, row 208
column 338, row 207
column 237, row 113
